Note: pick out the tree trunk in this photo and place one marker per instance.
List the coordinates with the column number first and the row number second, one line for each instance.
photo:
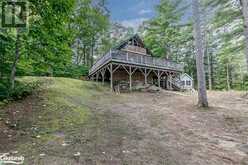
column 1, row 64
column 17, row 57
column 87, row 56
column 92, row 52
column 244, row 4
column 202, row 91
column 241, row 77
column 228, row 77
column 78, row 48
column 84, row 54
column 208, row 54
column 92, row 56
column 209, row 72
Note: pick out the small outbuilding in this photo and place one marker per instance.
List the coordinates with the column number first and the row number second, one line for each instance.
column 187, row 82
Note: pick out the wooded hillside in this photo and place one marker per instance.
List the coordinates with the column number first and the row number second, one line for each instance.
column 65, row 38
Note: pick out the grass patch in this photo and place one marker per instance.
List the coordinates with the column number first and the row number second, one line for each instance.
column 23, row 88
column 64, row 106
column 59, row 112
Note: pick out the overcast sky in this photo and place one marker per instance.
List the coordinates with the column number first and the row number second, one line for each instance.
column 132, row 12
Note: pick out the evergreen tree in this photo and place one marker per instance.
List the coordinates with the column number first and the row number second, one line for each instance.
column 162, row 33
column 202, row 93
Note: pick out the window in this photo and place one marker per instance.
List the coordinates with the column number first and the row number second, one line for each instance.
column 188, row 83
column 183, row 83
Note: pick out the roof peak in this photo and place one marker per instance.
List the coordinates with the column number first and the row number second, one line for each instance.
column 137, row 38
column 186, row 74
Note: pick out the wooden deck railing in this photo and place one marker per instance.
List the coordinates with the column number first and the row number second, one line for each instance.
column 101, row 61
column 135, row 59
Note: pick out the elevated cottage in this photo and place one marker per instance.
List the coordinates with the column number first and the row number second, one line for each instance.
column 131, row 63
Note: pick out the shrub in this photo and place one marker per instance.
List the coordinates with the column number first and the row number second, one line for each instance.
column 22, row 89
column 4, row 92
column 72, row 71
column 69, row 71
column 246, row 82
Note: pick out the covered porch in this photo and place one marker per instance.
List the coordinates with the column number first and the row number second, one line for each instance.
column 133, row 75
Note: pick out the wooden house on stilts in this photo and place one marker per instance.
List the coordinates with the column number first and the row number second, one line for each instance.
column 131, row 63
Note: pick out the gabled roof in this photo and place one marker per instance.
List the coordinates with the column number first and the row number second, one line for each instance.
column 186, row 75
column 137, row 38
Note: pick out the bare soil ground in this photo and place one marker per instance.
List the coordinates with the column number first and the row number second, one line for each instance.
column 167, row 128
column 164, row 128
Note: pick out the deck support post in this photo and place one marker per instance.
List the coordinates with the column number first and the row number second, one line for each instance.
column 130, row 78
column 164, row 82
column 103, row 75
column 167, row 81
column 111, row 76
column 170, row 79
column 159, row 79
column 97, row 76
column 93, row 77
column 146, row 76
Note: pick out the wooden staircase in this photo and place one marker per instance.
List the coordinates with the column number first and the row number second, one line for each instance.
column 176, row 84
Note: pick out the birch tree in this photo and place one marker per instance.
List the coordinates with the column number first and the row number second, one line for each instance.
column 202, row 92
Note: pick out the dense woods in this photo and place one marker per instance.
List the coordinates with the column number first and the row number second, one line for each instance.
column 60, row 40
column 63, row 38
column 223, row 34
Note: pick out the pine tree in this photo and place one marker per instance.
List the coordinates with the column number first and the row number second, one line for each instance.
column 202, row 92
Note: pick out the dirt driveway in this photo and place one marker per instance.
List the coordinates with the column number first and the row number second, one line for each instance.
column 167, row 129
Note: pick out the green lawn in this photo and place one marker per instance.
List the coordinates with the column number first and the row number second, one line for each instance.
column 57, row 110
